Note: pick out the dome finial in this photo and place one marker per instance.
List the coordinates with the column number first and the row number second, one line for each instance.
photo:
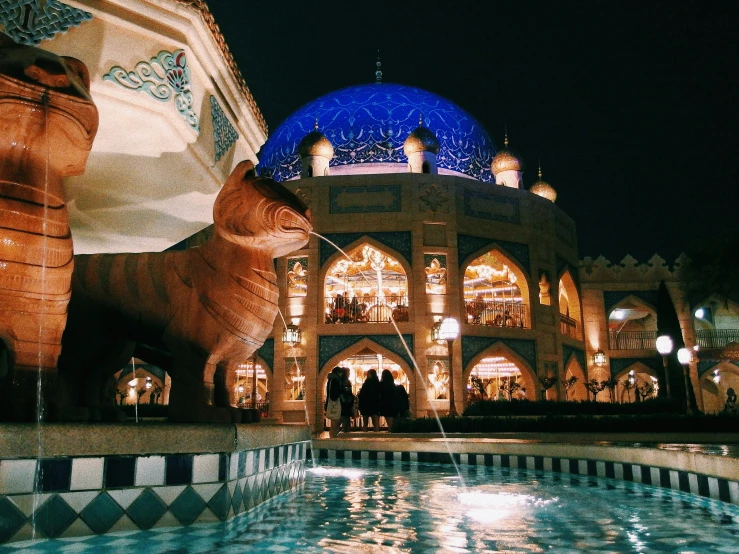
column 540, row 169
column 505, row 132
column 378, row 72
column 315, row 125
column 420, row 119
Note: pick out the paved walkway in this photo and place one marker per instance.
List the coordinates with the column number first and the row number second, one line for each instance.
column 716, row 444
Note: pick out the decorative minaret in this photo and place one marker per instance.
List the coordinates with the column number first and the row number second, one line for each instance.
column 507, row 167
column 543, row 189
column 421, row 148
column 315, row 153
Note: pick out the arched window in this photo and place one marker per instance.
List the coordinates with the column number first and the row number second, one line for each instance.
column 141, row 383
column 632, row 325
column 243, row 387
column 719, row 387
column 297, row 276
column 636, row 383
column 496, row 292
column 497, row 378
column 716, row 323
column 370, row 287
column 574, row 382
column 570, row 318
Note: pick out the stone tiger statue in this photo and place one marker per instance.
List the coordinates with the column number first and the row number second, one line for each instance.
column 210, row 307
column 47, row 125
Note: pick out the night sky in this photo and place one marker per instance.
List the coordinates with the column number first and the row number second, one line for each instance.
column 631, row 106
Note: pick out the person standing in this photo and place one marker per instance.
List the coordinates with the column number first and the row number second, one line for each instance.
column 347, row 400
column 333, row 393
column 388, row 408
column 369, row 400
column 402, row 402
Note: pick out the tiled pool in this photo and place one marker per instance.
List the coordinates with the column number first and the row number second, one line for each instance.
column 361, row 506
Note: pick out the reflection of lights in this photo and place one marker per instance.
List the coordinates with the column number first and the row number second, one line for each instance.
column 493, row 507
column 337, row 472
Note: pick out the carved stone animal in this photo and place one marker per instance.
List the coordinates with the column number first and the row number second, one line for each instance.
column 47, row 125
column 209, row 307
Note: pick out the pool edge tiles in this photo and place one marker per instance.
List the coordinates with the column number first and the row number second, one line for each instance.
column 80, row 496
column 689, row 472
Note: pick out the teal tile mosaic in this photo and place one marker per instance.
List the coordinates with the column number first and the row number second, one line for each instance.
column 237, row 499
column 141, row 507
column 188, row 506
column 220, row 503
column 147, row 509
column 54, row 516
column 11, row 519
column 101, row 513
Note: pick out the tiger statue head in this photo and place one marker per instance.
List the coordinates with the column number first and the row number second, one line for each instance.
column 261, row 213
column 50, row 95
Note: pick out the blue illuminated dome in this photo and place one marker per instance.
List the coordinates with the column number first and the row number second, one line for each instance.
column 368, row 124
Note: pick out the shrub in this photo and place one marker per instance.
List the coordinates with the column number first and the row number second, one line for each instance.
column 586, row 407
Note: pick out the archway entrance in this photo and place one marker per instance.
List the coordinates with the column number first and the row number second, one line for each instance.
column 497, row 378
column 243, row 388
column 719, row 384
column 360, row 363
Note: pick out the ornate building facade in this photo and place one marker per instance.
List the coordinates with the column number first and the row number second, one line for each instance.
column 429, row 219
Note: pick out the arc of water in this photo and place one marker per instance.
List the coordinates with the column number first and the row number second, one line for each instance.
column 39, row 380
column 135, row 392
column 423, row 379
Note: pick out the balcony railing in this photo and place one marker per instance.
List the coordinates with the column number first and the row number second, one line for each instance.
column 370, row 309
column 497, row 314
column 632, row 340
column 568, row 326
column 716, row 338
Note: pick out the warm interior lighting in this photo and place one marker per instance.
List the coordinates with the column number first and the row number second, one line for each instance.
column 599, row 358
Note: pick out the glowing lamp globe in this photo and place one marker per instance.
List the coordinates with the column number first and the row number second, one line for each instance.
column 684, row 356
column 664, row 345
column 449, row 329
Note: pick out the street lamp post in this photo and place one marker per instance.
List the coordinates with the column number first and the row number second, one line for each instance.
column 685, row 356
column 664, row 347
column 449, row 331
